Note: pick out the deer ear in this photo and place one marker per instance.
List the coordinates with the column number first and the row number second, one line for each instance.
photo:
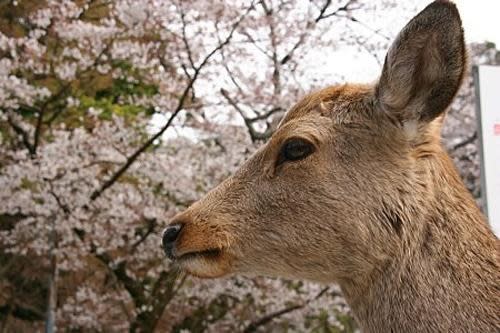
column 425, row 65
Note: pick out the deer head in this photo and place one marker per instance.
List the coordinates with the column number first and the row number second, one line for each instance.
column 333, row 193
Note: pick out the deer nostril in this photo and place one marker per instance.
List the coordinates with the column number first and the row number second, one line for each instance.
column 170, row 233
column 168, row 238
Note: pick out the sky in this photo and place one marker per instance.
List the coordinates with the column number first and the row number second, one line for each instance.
column 480, row 19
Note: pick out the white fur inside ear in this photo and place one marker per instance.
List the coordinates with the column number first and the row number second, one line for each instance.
column 411, row 128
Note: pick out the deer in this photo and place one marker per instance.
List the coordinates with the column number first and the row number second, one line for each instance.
column 354, row 188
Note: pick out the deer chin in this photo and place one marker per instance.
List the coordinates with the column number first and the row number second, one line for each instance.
column 208, row 264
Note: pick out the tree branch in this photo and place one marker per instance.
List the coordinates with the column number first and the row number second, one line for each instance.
column 22, row 132
column 276, row 76
column 252, row 327
column 375, row 31
column 344, row 8
column 180, row 106
column 465, row 142
column 225, row 64
column 184, row 37
column 24, row 312
column 151, row 224
column 254, row 134
column 133, row 287
column 266, row 114
column 255, row 43
column 78, row 76
column 303, row 36
column 321, row 16
column 41, row 112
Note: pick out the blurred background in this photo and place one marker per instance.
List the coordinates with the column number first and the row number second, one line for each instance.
column 116, row 115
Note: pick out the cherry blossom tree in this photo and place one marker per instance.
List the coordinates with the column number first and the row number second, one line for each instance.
column 81, row 83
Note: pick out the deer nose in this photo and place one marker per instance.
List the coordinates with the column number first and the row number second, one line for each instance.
column 168, row 238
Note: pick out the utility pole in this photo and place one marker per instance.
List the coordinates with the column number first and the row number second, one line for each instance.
column 52, row 299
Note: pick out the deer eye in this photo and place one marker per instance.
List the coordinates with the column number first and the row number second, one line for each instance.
column 294, row 150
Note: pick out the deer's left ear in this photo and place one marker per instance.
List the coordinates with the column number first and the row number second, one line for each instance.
column 425, row 65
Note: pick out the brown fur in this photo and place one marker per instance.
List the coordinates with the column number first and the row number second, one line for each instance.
column 377, row 208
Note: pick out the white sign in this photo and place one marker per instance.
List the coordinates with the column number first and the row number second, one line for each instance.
column 487, row 82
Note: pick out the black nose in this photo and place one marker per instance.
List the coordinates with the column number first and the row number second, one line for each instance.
column 168, row 238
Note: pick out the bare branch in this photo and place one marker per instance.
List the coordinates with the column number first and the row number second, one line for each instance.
column 376, row 31
column 290, row 53
column 22, row 311
column 267, row 114
column 252, row 327
column 119, row 271
column 267, row 10
column 225, row 64
column 254, row 134
column 465, row 142
column 276, row 77
column 151, row 224
column 310, row 24
column 304, row 34
column 41, row 112
column 255, row 43
column 345, row 8
column 184, row 37
column 22, row 132
column 323, row 9
column 61, row 204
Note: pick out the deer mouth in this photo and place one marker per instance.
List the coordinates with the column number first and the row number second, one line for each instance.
column 209, row 263
column 213, row 253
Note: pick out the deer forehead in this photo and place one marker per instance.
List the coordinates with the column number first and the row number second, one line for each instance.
column 337, row 102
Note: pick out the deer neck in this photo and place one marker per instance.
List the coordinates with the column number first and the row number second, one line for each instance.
column 438, row 280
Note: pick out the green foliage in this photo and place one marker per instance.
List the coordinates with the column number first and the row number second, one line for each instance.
column 26, row 112
column 347, row 322
column 122, row 87
column 5, row 133
column 320, row 323
column 129, row 179
column 135, row 85
column 27, row 184
column 490, row 45
column 109, row 108
column 10, row 25
column 112, row 96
